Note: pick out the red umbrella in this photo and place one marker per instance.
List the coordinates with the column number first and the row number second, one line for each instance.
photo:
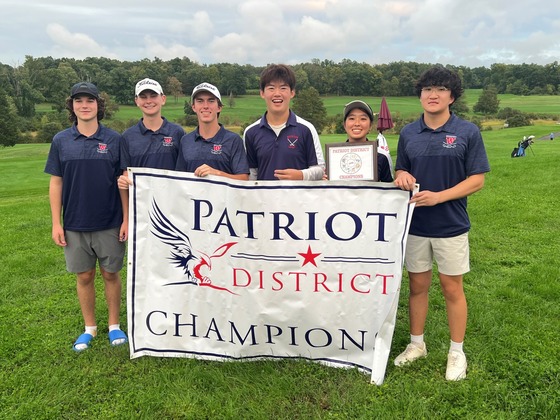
column 384, row 121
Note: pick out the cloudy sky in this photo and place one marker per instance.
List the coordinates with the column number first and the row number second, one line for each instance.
column 461, row 32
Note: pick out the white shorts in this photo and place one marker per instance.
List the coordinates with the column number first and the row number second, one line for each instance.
column 450, row 254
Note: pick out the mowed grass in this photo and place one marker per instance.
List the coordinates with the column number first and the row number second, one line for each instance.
column 512, row 341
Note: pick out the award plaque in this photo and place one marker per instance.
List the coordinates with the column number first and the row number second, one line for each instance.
column 352, row 161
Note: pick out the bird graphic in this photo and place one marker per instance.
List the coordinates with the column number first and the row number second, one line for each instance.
column 182, row 254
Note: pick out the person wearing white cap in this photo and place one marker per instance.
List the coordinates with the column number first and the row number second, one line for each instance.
column 358, row 121
column 211, row 149
column 154, row 141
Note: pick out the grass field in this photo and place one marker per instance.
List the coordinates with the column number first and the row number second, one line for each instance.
column 512, row 342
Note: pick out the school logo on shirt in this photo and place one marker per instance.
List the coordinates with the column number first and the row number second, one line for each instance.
column 102, row 148
column 167, row 141
column 450, row 142
column 292, row 140
column 217, row 149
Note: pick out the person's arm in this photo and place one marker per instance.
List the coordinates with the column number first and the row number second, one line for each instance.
column 205, row 170
column 55, row 200
column 313, row 173
column 253, row 172
column 463, row 189
column 123, row 233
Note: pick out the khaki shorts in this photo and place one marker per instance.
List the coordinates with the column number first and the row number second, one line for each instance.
column 450, row 254
column 84, row 249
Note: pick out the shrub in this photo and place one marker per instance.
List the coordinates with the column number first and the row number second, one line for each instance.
column 47, row 131
column 518, row 120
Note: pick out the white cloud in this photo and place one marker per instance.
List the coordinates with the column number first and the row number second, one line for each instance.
column 154, row 48
column 78, row 45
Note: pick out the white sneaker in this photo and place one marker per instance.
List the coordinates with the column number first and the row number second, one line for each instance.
column 411, row 353
column 456, row 366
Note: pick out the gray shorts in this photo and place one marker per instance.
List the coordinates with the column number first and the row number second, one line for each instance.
column 450, row 254
column 84, row 249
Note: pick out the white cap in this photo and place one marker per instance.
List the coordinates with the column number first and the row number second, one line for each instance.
column 206, row 87
column 148, row 84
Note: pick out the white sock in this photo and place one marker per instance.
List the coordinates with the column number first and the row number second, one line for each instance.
column 456, row 346
column 118, row 341
column 417, row 339
column 91, row 330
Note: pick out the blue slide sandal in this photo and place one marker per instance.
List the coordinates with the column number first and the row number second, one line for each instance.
column 85, row 338
column 117, row 335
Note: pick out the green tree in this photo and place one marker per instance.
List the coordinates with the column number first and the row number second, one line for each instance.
column 9, row 133
column 18, row 86
column 111, row 107
column 460, row 107
column 61, row 80
column 488, row 102
column 309, row 105
column 174, row 87
column 233, row 79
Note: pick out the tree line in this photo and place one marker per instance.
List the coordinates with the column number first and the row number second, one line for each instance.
column 47, row 80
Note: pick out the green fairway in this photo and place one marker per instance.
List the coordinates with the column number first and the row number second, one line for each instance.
column 512, row 341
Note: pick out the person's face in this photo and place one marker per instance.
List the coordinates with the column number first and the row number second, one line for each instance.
column 85, row 108
column 206, row 106
column 357, row 125
column 436, row 100
column 277, row 95
column 150, row 102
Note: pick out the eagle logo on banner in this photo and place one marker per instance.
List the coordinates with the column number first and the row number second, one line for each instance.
column 182, row 254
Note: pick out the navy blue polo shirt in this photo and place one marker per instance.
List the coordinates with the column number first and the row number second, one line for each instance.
column 440, row 159
column 144, row 148
column 89, row 167
column 293, row 148
column 224, row 152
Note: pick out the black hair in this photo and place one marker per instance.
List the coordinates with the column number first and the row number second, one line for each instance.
column 275, row 72
column 440, row 76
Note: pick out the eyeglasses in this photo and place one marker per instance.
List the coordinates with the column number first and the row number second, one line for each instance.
column 436, row 89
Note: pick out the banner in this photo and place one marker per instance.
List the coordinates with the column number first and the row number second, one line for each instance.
column 243, row 270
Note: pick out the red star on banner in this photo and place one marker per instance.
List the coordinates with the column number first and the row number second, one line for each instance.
column 309, row 257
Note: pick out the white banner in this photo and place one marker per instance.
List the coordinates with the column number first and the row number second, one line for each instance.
column 221, row 269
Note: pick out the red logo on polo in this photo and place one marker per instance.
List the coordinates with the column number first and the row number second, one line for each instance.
column 217, row 149
column 450, row 139
column 167, row 141
column 101, row 148
column 292, row 140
